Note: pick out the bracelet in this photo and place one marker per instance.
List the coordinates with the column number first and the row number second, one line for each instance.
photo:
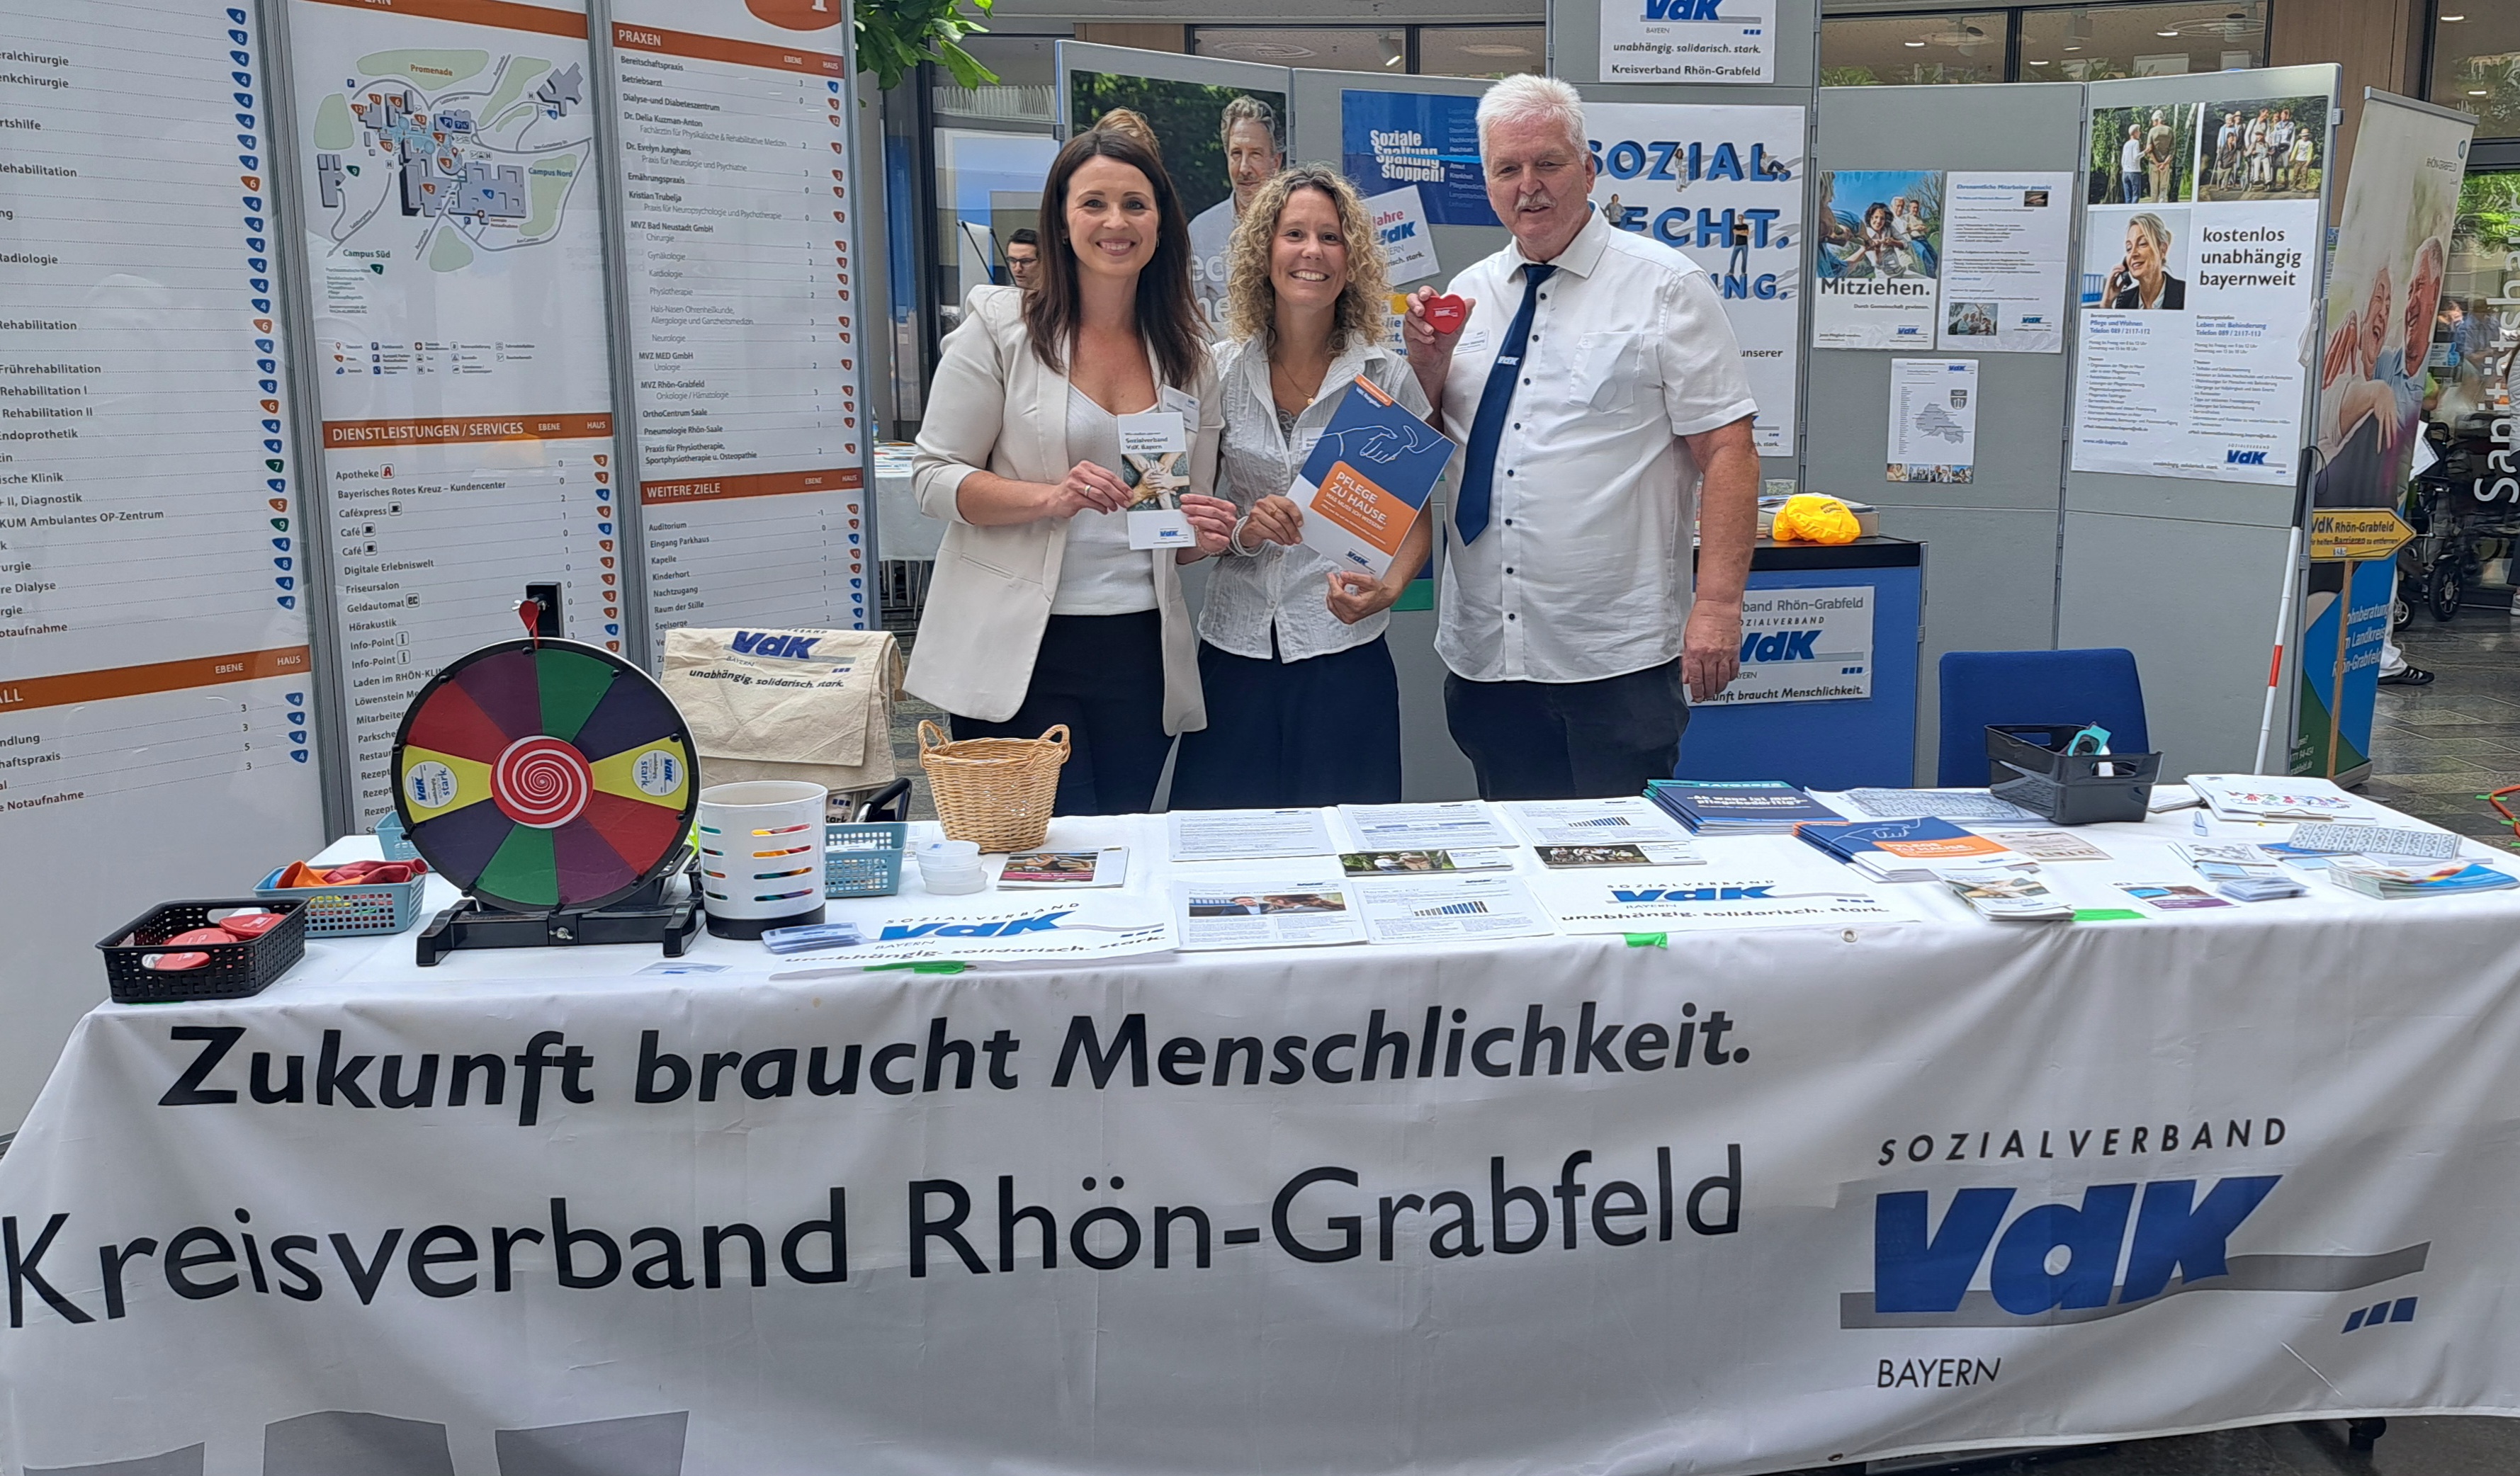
column 1234, row 540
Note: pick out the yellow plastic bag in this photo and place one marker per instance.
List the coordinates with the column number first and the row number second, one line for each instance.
column 1810, row 517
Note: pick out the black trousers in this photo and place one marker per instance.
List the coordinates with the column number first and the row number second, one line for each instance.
column 1569, row 740
column 1324, row 731
column 1104, row 677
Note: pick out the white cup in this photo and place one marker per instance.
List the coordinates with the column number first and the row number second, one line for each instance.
column 761, row 855
column 952, row 867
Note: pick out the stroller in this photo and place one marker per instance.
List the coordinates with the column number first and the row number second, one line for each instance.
column 2455, row 514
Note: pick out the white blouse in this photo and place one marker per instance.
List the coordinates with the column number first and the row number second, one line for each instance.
column 1101, row 574
column 1286, row 589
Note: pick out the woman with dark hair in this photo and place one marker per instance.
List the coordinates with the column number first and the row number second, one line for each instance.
column 1041, row 612
column 1304, row 703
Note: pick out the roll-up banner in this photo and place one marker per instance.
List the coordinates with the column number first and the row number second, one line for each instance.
column 155, row 679
column 737, row 130
column 2393, row 244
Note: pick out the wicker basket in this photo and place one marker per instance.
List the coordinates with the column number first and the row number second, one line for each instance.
column 994, row 792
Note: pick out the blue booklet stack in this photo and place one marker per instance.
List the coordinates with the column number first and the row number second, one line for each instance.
column 1736, row 807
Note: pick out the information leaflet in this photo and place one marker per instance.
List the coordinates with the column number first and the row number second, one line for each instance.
column 1723, row 186
column 154, row 671
column 1367, row 480
column 740, row 228
column 1933, row 420
column 2006, row 241
column 455, row 259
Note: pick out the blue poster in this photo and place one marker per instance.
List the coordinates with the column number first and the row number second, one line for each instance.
column 1395, row 139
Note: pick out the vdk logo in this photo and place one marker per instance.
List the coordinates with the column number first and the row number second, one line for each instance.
column 2239, row 458
column 1692, row 893
column 1780, row 645
column 754, row 643
column 1045, row 922
column 2058, row 1263
column 1682, row 10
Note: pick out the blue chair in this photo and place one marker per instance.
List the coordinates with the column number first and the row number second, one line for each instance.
column 1987, row 686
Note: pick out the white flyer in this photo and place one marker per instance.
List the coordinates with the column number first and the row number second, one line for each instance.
column 1248, row 834
column 1154, row 451
column 2007, row 239
column 1627, row 820
column 1454, row 824
column 1407, row 243
column 1634, row 902
column 1265, row 912
column 1688, row 41
column 1449, row 909
column 1933, row 420
column 1089, row 926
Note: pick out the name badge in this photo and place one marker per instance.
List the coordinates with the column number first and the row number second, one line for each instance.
column 1155, row 448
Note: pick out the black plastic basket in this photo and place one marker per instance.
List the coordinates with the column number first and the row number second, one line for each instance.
column 235, row 970
column 2027, row 764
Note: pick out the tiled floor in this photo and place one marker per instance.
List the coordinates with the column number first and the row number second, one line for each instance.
column 2434, row 749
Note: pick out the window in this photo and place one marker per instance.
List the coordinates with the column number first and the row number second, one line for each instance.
column 2475, row 62
column 1332, row 48
column 1952, row 45
column 1480, row 51
column 2068, row 44
column 2093, row 43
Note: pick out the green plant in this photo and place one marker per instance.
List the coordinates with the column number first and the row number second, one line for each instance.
column 895, row 35
column 1848, row 76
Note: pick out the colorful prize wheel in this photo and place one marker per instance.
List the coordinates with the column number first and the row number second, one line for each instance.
column 541, row 776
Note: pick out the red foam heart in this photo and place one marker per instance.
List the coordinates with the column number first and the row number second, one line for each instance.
column 174, row 962
column 1447, row 313
column 199, row 936
column 251, row 924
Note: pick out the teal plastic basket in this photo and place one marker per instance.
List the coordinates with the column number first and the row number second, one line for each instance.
column 865, row 860
column 352, row 910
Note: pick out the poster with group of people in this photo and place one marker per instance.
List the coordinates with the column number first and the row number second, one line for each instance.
column 2199, row 281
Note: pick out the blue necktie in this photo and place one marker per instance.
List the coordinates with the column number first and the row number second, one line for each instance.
column 1470, row 510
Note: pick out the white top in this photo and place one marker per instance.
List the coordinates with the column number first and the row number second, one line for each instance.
column 1287, row 588
column 1102, row 575
column 2131, row 157
column 1210, row 230
column 1583, row 571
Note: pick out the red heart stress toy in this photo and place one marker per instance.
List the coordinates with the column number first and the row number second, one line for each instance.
column 1447, row 313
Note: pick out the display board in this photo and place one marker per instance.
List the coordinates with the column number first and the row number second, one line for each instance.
column 739, row 229
column 2182, row 558
column 156, row 726
column 454, row 246
column 1992, row 538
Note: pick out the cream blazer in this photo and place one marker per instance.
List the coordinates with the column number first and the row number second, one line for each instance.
column 995, row 405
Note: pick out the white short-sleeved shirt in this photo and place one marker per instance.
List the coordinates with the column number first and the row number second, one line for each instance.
column 1584, row 570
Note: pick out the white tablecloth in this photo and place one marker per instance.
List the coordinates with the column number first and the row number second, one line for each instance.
column 1918, row 1184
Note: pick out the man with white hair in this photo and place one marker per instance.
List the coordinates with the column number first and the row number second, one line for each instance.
column 1598, row 392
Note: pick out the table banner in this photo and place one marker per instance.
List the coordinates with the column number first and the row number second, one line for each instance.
column 1737, row 1204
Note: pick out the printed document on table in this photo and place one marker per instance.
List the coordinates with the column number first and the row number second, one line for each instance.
column 1462, row 825
column 1284, row 911
column 1248, row 834
column 1448, row 909
column 1625, row 820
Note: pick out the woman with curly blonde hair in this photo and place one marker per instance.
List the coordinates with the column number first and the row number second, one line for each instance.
column 1303, row 704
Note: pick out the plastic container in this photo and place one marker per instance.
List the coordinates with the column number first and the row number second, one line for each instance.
column 352, row 910
column 862, row 859
column 393, row 841
column 2028, row 765
column 235, row 970
column 760, row 845
column 952, row 867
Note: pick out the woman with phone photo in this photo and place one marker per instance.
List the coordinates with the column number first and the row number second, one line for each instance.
column 2141, row 278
